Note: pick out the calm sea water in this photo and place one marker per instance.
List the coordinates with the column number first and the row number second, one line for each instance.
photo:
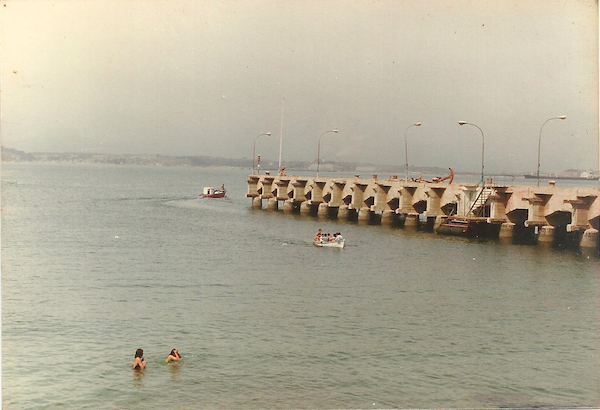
column 98, row 261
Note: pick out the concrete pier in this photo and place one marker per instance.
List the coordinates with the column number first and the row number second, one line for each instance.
column 544, row 214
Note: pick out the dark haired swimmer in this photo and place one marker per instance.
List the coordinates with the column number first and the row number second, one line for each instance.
column 174, row 356
column 138, row 362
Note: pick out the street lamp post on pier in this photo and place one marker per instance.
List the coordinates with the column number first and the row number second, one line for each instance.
column 416, row 124
column 335, row 130
column 482, row 146
column 562, row 117
column 254, row 149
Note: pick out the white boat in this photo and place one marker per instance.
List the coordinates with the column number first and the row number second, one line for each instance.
column 330, row 244
column 210, row 192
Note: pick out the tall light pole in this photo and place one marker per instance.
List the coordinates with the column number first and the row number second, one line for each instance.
column 254, row 149
column 562, row 117
column 482, row 145
column 335, row 130
column 416, row 124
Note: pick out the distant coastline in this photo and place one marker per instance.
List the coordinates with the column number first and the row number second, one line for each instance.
column 13, row 155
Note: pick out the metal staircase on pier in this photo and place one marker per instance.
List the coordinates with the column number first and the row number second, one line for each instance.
column 478, row 208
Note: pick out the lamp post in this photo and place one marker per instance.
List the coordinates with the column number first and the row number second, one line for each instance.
column 335, row 130
column 482, row 145
column 254, row 149
column 562, row 117
column 416, row 124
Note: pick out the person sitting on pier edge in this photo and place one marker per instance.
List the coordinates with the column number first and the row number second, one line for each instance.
column 317, row 237
column 174, row 356
column 138, row 362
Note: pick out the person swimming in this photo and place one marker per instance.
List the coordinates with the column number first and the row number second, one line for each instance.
column 138, row 362
column 174, row 356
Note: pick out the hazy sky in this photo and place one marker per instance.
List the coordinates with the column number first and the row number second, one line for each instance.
column 206, row 77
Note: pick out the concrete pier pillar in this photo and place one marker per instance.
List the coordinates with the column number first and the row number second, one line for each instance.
column 589, row 238
column 411, row 220
column 337, row 190
column 343, row 212
column 387, row 217
column 272, row 204
column 434, row 201
column 267, row 187
column 252, row 186
column 358, row 193
column 546, row 234
column 299, row 186
column 538, row 208
column 257, row 202
column 322, row 211
column 317, row 191
column 498, row 202
column 381, row 190
column 581, row 207
column 506, row 230
column 406, row 203
column 364, row 214
column 288, row 205
column 282, row 188
column 305, row 207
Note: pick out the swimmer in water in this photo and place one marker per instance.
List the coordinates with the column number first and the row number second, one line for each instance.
column 138, row 362
column 174, row 356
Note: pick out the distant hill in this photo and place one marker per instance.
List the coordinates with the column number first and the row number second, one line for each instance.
column 13, row 155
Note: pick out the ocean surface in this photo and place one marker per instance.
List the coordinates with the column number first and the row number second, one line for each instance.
column 99, row 260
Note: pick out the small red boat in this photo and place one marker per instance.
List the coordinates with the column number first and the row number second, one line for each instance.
column 210, row 192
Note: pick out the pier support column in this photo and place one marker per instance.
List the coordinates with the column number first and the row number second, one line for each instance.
column 299, row 186
column 506, row 230
column 288, row 205
column 343, row 212
column 358, row 195
column 434, row 201
column 282, row 188
column 381, row 190
column 538, row 208
column 387, row 217
column 406, row 202
column 252, row 186
column 411, row 220
column 272, row 204
column 305, row 207
column 322, row 211
column 581, row 207
column 257, row 202
column 317, row 191
column 364, row 214
column 546, row 234
column 589, row 238
column 267, row 187
column 337, row 190
column 499, row 200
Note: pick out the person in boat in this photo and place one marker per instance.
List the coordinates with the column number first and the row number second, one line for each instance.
column 174, row 356
column 338, row 237
column 329, row 237
column 138, row 362
column 318, row 236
